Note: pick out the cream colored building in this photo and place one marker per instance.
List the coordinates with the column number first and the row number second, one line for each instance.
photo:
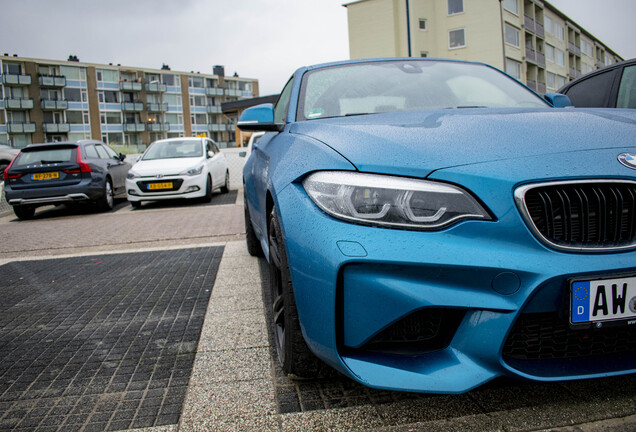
column 529, row 39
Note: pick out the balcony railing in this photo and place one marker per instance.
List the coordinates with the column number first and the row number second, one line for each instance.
column 157, row 107
column 528, row 23
column 154, row 87
column 51, row 104
column 574, row 74
column 213, row 109
column 574, row 49
column 539, row 30
column 11, row 79
column 130, row 86
column 531, row 55
column 215, row 127
column 541, row 88
column 56, row 127
column 233, row 92
column 18, row 103
column 132, row 106
column 158, row 127
column 20, row 127
column 134, row 127
column 532, row 84
column 541, row 59
column 214, row 91
column 52, row 81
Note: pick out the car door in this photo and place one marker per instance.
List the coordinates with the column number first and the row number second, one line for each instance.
column 116, row 167
column 216, row 164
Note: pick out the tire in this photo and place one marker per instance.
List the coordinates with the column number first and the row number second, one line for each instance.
column 294, row 355
column 226, row 187
column 3, row 166
column 208, row 190
column 253, row 245
column 24, row 212
column 135, row 204
column 107, row 201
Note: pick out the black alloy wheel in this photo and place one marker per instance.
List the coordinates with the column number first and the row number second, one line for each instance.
column 107, row 201
column 208, row 190
column 293, row 353
column 226, row 186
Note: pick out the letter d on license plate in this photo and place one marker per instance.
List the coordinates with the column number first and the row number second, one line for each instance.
column 603, row 300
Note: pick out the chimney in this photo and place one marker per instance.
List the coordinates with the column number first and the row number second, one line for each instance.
column 219, row 70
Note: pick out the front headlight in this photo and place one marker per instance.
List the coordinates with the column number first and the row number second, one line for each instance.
column 391, row 201
column 193, row 171
column 132, row 175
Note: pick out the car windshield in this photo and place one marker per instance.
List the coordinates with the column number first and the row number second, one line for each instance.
column 407, row 85
column 174, row 149
column 45, row 156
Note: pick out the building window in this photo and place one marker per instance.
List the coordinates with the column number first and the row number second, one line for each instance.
column 560, row 57
column 511, row 6
column 456, row 38
column 511, row 35
column 423, row 24
column 550, row 80
column 549, row 52
column 196, row 82
column 513, row 68
column 559, row 31
column 455, row 6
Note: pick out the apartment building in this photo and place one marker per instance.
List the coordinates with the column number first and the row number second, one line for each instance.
column 51, row 100
column 529, row 39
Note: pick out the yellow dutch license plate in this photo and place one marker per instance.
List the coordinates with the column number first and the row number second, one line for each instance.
column 158, row 186
column 45, row 176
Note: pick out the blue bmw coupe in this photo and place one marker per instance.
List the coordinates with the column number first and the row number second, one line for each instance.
column 431, row 225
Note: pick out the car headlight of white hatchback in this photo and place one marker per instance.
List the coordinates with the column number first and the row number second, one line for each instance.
column 391, row 201
column 193, row 171
column 132, row 175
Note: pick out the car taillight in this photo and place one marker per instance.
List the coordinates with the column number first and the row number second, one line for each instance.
column 7, row 175
column 83, row 166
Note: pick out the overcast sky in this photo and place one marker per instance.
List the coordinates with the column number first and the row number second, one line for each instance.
column 263, row 39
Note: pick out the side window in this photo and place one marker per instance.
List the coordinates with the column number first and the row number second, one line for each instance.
column 627, row 89
column 283, row 102
column 111, row 152
column 214, row 148
column 91, row 153
column 102, row 152
column 592, row 92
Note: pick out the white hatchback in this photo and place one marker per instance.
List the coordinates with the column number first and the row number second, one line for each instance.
column 178, row 168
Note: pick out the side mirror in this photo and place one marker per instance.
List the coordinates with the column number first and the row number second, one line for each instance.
column 259, row 118
column 558, row 100
column 210, row 154
column 122, row 157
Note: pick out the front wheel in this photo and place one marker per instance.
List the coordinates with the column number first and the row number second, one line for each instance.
column 293, row 353
column 107, row 201
column 208, row 190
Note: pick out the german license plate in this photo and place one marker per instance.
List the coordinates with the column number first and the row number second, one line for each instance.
column 595, row 301
column 159, row 186
column 45, row 176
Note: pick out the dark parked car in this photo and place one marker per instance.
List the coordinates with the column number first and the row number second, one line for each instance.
column 6, row 156
column 65, row 172
column 611, row 87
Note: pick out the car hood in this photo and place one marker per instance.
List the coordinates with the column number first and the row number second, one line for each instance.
column 419, row 143
column 165, row 167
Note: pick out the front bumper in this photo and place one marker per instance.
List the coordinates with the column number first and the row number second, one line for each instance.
column 351, row 282
column 189, row 187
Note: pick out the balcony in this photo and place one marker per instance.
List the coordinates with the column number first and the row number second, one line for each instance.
column 539, row 30
column 132, row 106
column 133, row 127
column 574, row 49
column 20, row 127
column 233, row 92
column 214, row 91
column 158, row 127
column 56, row 127
column 531, row 55
column 16, row 80
column 528, row 23
column 52, row 81
column 130, row 86
column 51, row 104
column 215, row 127
column 155, row 87
column 157, row 107
column 541, row 88
column 213, row 109
column 541, row 59
column 574, row 74
column 532, row 84
column 18, row 103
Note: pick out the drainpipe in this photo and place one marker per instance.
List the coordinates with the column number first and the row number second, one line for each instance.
column 503, row 41
column 408, row 26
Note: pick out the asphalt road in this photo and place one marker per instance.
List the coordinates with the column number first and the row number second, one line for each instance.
column 230, row 381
